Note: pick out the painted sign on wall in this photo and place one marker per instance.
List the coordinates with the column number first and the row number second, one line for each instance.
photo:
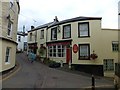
column 75, row 48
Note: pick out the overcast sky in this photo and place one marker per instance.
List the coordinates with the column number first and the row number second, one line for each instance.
column 38, row 12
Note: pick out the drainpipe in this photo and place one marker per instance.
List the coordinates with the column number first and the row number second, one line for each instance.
column 70, row 56
column 46, row 40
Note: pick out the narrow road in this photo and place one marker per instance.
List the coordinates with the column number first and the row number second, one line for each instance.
column 37, row 75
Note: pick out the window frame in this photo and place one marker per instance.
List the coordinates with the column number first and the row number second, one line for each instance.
column 42, row 34
column 7, row 57
column 9, row 30
column 115, row 49
column 53, row 29
column 108, row 67
column 64, row 31
column 88, row 32
column 19, row 38
column 88, row 57
column 62, row 52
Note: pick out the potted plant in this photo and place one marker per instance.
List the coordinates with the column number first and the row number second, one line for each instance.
column 93, row 56
column 42, row 52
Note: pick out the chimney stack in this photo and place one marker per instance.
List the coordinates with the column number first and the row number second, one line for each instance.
column 56, row 19
column 32, row 27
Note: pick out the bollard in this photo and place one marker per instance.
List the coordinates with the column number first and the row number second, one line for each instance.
column 69, row 65
column 93, row 82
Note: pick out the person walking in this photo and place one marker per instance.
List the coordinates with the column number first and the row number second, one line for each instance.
column 33, row 57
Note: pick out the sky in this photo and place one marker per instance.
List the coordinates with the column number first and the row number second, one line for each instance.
column 38, row 12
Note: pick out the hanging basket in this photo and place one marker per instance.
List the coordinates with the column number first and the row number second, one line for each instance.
column 93, row 56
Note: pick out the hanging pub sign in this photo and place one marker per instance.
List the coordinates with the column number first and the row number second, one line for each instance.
column 75, row 48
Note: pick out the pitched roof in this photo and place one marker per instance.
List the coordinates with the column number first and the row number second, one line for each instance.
column 41, row 26
column 50, row 24
column 81, row 18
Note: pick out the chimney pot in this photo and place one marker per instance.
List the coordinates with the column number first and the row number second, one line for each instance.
column 32, row 27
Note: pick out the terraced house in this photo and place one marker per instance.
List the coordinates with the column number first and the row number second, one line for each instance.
column 80, row 42
column 9, row 10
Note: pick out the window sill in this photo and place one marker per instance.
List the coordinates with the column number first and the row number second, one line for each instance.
column 9, row 37
column 41, row 38
column 53, row 39
column 7, row 63
column 83, row 58
column 66, row 37
column 83, row 36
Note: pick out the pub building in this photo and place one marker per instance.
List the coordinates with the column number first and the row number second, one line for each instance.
column 78, row 41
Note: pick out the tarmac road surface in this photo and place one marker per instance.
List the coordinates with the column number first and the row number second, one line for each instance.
column 37, row 75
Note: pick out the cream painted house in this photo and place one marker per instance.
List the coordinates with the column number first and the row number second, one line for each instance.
column 22, row 41
column 9, row 10
column 80, row 42
column 117, row 65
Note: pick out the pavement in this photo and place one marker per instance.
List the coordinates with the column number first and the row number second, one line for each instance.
column 37, row 75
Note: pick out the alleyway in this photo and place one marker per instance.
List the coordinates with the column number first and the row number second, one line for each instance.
column 37, row 75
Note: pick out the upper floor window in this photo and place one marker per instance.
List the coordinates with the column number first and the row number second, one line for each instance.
column 84, row 51
column 54, row 33
column 19, row 38
column 83, row 29
column 67, row 31
column 7, row 59
column 42, row 34
column 115, row 46
column 9, row 28
column 30, row 36
column 11, row 3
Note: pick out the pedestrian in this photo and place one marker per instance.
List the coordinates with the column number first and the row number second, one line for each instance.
column 33, row 57
column 29, row 54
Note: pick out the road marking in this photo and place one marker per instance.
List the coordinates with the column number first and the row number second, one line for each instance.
column 3, row 79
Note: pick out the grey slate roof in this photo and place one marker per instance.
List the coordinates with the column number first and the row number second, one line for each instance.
column 81, row 18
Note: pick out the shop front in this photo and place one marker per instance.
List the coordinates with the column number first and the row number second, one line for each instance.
column 59, row 50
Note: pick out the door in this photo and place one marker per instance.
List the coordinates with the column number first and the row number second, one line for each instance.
column 68, row 55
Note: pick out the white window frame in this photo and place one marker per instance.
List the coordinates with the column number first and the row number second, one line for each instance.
column 55, row 54
column 115, row 46
column 107, row 66
column 7, row 56
column 9, row 32
column 50, row 51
